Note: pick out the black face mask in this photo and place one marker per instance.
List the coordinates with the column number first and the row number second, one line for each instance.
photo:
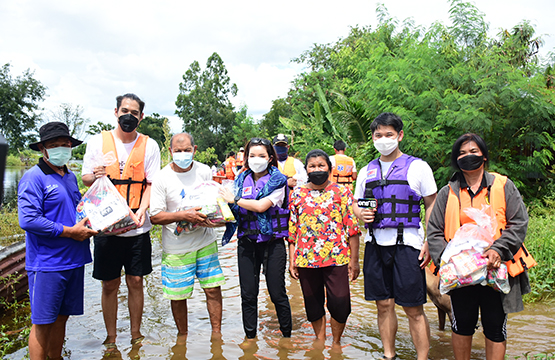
column 470, row 162
column 318, row 177
column 128, row 123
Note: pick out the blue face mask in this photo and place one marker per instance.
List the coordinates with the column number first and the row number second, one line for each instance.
column 59, row 156
column 281, row 152
column 183, row 159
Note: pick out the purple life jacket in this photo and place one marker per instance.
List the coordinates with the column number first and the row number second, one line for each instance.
column 248, row 220
column 398, row 204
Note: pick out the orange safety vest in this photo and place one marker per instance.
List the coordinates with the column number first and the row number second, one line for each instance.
column 132, row 183
column 240, row 158
column 288, row 168
column 455, row 217
column 229, row 165
column 342, row 172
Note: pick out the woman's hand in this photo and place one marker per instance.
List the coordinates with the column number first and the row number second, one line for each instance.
column 354, row 270
column 494, row 260
column 293, row 272
column 227, row 195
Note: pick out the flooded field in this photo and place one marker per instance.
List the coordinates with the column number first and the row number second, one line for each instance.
column 530, row 332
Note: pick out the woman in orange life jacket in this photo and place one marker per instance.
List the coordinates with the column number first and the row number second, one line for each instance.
column 472, row 186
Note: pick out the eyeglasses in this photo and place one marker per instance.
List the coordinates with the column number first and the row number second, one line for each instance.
column 257, row 141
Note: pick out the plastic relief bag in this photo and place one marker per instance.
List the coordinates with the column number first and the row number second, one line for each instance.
column 206, row 196
column 462, row 263
column 106, row 209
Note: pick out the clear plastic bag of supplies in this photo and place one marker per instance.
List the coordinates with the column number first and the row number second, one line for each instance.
column 462, row 263
column 106, row 209
column 206, row 196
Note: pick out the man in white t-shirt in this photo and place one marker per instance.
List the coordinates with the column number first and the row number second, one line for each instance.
column 191, row 252
column 137, row 162
column 396, row 253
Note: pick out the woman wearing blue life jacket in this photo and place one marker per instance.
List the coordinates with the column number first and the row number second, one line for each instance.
column 472, row 186
column 261, row 209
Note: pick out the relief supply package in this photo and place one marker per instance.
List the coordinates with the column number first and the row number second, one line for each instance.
column 462, row 263
column 206, row 196
column 106, row 209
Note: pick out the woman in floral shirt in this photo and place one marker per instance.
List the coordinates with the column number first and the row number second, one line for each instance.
column 323, row 238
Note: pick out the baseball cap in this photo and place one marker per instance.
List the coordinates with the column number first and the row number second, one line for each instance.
column 280, row 138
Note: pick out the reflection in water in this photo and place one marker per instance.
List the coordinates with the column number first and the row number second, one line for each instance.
column 12, row 176
column 529, row 331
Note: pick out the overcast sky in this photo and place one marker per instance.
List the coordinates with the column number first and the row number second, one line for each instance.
column 87, row 53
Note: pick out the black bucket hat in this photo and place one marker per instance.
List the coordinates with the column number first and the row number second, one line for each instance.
column 54, row 130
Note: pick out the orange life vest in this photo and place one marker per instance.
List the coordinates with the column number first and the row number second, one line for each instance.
column 229, row 165
column 288, row 168
column 342, row 172
column 240, row 158
column 455, row 217
column 131, row 184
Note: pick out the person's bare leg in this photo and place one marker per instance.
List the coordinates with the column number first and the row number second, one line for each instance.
column 179, row 311
column 135, row 301
column 110, row 308
column 462, row 345
column 57, row 337
column 47, row 339
column 319, row 327
column 495, row 350
column 214, row 307
column 387, row 324
column 337, row 329
column 419, row 330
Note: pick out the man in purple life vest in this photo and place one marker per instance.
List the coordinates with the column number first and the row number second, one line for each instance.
column 396, row 252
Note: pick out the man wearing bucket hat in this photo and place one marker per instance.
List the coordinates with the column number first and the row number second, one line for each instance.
column 288, row 165
column 57, row 249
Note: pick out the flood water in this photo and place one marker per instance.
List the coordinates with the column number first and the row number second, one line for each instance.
column 529, row 332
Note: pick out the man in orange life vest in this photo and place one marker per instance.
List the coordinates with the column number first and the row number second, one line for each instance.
column 138, row 162
column 344, row 168
column 230, row 166
column 240, row 159
column 288, row 165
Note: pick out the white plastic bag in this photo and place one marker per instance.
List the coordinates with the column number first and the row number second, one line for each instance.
column 106, row 209
column 206, row 196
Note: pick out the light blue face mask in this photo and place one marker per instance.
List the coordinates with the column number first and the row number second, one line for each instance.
column 59, row 156
column 183, row 159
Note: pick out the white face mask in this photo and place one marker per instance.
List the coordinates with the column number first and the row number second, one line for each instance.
column 386, row 145
column 258, row 164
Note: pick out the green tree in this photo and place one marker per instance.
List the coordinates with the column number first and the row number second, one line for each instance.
column 98, row 128
column 72, row 117
column 245, row 128
column 153, row 126
column 270, row 125
column 204, row 105
column 19, row 98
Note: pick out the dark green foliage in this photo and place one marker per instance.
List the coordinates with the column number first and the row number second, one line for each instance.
column 98, row 128
column 153, row 126
column 203, row 104
column 19, row 98
column 270, row 125
column 443, row 82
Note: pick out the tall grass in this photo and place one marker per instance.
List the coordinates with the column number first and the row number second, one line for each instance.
column 9, row 226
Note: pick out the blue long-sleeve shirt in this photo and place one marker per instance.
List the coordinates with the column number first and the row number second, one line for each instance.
column 47, row 202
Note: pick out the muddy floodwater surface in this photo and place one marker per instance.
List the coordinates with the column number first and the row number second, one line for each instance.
column 530, row 332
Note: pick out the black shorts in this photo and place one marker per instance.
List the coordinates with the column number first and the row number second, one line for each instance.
column 391, row 273
column 330, row 281
column 465, row 303
column 111, row 253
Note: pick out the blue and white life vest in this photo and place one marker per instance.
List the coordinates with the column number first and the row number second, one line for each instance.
column 397, row 202
column 248, row 220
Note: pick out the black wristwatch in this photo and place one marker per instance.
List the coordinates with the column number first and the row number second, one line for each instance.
column 237, row 198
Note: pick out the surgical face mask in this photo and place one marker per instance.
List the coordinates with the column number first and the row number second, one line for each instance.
column 386, row 145
column 281, row 152
column 59, row 156
column 470, row 162
column 318, row 177
column 183, row 159
column 258, row 164
column 128, row 123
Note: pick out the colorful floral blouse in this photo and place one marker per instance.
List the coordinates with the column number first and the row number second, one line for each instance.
column 320, row 225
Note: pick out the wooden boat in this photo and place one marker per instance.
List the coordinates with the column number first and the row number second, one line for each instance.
column 13, row 283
